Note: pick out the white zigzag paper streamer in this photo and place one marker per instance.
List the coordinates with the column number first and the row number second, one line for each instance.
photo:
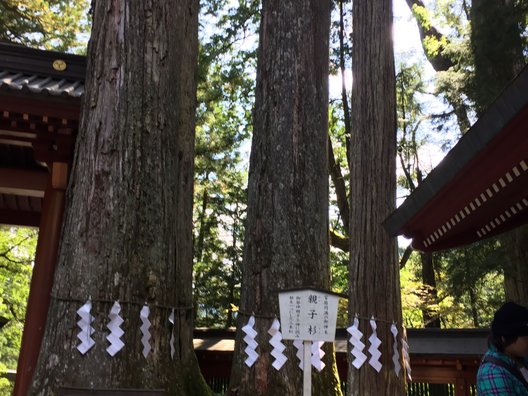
column 317, row 355
column 298, row 344
column 358, row 346
column 278, row 346
column 145, row 330
column 115, row 330
column 172, row 347
column 375, row 342
column 249, row 339
column 406, row 358
column 85, row 324
column 395, row 353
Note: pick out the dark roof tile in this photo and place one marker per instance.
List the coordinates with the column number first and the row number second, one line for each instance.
column 40, row 85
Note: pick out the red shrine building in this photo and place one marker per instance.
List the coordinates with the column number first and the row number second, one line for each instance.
column 480, row 189
column 40, row 96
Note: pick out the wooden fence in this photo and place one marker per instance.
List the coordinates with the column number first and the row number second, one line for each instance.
column 443, row 362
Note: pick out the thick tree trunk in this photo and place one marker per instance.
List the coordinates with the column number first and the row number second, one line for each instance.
column 515, row 273
column 496, row 41
column 473, row 306
column 127, row 229
column 430, row 316
column 374, row 274
column 286, row 242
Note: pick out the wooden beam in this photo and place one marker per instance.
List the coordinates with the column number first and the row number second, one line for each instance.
column 58, row 148
column 19, row 218
column 35, row 124
column 51, row 106
column 59, row 175
column 17, row 134
column 23, row 182
column 14, row 141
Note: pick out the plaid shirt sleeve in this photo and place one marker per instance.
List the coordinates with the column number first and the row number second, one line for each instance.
column 493, row 380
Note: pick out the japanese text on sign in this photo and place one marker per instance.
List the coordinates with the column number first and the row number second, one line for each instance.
column 308, row 315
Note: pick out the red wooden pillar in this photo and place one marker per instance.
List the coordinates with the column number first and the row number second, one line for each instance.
column 42, row 279
column 461, row 386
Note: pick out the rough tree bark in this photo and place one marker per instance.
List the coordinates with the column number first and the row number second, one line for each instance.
column 515, row 274
column 497, row 45
column 127, row 230
column 286, row 240
column 374, row 274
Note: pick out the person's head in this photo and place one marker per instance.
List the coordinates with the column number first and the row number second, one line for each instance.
column 509, row 330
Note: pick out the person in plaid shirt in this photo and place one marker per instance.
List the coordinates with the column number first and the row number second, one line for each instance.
column 504, row 367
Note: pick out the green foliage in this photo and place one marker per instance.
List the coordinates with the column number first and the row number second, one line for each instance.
column 418, row 297
column 47, row 24
column 433, row 45
column 475, row 281
column 225, row 99
column 412, row 294
column 17, row 251
column 339, row 277
column 483, row 41
column 446, row 44
column 336, row 130
column 479, row 40
column 461, row 298
column 411, row 135
column 422, row 15
column 336, row 50
column 469, row 287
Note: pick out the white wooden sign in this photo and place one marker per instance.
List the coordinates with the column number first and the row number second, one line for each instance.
column 308, row 314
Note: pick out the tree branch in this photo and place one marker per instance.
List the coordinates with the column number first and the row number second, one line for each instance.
column 339, row 241
column 440, row 62
column 406, row 172
column 339, row 185
column 406, row 255
column 344, row 97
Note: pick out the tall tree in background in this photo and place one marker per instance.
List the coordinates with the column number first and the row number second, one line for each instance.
column 286, row 242
column 408, row 83
column 448, row 58
column 497, row 44
column 374, row 286
column 127, row 230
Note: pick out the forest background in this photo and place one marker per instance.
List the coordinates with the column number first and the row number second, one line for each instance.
column 438, row 98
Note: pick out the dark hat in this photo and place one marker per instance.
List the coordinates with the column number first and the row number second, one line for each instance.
column 510, row 320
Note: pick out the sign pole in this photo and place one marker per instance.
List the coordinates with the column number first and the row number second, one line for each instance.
column 307, row 370
column 308, row 315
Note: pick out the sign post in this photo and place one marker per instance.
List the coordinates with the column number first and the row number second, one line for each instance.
column 308, row 315
column 307, row 370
